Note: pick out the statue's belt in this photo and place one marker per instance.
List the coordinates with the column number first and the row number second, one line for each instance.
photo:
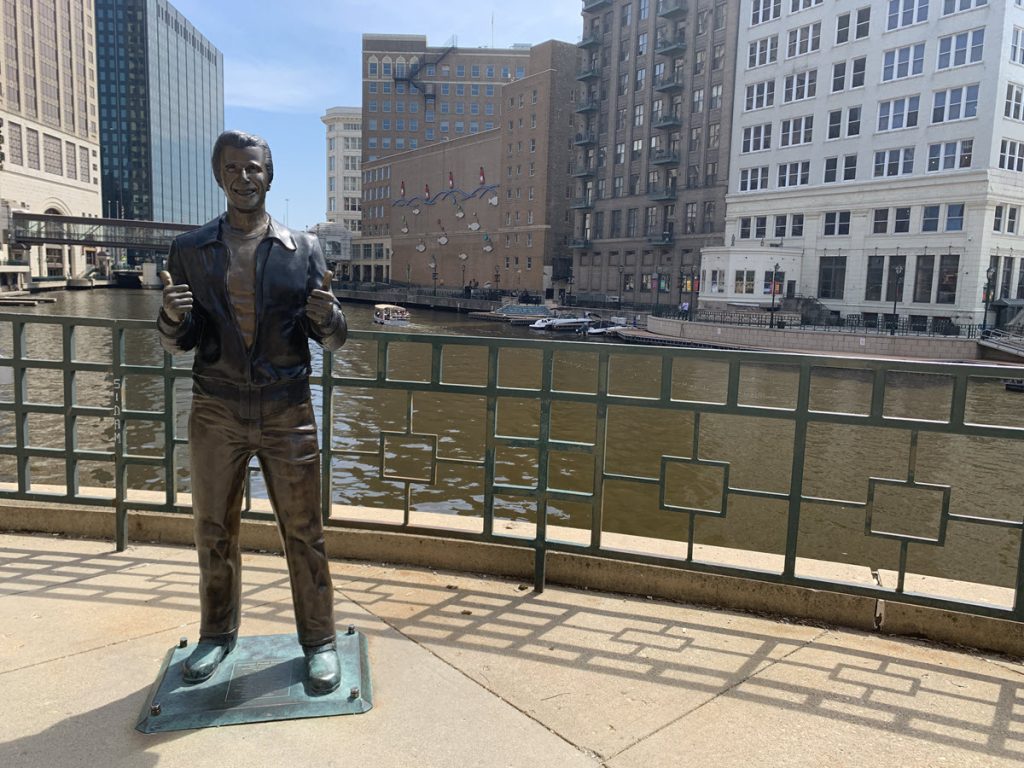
column 249, row 398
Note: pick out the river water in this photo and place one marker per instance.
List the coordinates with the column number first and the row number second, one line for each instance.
column 983, row 472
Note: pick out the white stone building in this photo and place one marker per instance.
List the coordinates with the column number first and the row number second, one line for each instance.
column 877, row 156
column 48, row 110
column 344, row 157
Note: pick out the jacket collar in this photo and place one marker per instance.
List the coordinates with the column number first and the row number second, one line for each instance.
column 209, row 233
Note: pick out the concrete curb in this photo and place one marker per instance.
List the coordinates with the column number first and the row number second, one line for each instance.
column 566, row 569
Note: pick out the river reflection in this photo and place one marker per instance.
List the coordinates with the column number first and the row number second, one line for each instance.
column 427, row 432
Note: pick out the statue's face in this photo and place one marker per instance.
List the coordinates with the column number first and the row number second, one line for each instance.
column 244, row 178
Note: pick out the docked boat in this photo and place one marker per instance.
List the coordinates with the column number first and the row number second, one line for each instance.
column 610, row 325
column 390, row 314
column 563, row 322
column 1014, row 385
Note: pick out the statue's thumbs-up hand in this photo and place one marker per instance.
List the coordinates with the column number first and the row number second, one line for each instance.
column 321, row 302
column 177, row 299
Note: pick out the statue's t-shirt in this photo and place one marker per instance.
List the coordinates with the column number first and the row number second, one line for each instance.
column 242, row 276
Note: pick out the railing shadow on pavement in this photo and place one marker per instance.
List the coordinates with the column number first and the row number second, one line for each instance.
column 691, row 655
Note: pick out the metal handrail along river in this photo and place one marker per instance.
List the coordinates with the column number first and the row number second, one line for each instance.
column 775, row 467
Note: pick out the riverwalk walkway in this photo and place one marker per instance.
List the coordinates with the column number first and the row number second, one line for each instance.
column 479, row 672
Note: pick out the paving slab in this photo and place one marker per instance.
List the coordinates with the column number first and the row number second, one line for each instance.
column 477, row 671
column 854, row 700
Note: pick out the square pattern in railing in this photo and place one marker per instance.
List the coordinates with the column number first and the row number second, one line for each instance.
column 813, row 468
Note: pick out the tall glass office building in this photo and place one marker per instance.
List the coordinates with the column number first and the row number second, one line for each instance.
column 161, row 99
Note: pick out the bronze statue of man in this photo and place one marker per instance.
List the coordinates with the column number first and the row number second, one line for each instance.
column 247, row 294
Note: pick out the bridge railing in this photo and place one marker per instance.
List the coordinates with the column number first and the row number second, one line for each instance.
column 884, row 478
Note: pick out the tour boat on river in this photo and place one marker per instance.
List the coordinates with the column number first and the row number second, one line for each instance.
column 390, row 314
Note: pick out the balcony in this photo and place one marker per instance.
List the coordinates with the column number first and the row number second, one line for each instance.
column 665, row 157
column 669, row 9
column 580, row 242
column 670, row 45
column 667, row 121
column 668, row 83
column 585, row 139
column 665, row 238
column 662, row 193
column 583, row 171
column 587, row 106
column 589, row 73
column 589, row 40
column 595, row 5
column 582, row 203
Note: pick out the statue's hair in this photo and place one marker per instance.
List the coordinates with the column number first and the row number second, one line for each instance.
column 240, row 140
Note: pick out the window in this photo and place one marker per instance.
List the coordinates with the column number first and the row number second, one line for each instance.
column 760, row 95
column 795, row 174
column 799, row 5
column 1011, row 155
column 894, row 162
column 903, row 13
column 744, row 281
column 1014, row 107
column 901, row 222
column 903, row 62
column 798, row 130
column 831, row 277
column 764, row 10
column 697, row 103
column 949, row 267
column 1017, row 46
column 716, row 97
column 752, row 179
column 950, row 155
column 803, row 40
column 898, row 113
column 848, row 70
column 955, row 217
column 859, row 20
column 880, row 223
column 849, row 172
column 955, row 6
column 876, row 272
column 930, row 219
column 955, row 104
column 757, row 138
column 960, row 49
column 802, row 85
column 837, row 223
column 763, row 51
column 923, row 274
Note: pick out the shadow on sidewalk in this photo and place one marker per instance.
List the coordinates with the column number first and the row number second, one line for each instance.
column 478, row 624
column 87, row 739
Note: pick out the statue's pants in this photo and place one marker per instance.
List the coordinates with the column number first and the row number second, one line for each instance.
column 223, row 435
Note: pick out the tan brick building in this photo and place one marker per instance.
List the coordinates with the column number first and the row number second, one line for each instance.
column 487, row 208
column 655, row 113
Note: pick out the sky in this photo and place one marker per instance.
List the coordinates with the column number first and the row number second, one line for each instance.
column 286, row 63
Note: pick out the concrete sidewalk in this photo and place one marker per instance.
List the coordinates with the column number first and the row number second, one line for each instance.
column 472, row 671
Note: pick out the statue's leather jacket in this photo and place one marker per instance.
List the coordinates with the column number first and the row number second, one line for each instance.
column 288, row 266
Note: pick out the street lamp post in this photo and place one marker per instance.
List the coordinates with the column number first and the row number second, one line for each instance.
column 433, row 274
column 497, row 279
column 692, row 309
column 621, row 278
column 462, row 258
column 896, row 290
column 775, row 277
column 656, row 278
column 990, row 274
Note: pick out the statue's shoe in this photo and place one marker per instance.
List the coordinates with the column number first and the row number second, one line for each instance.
column 323, row 670
column 204, row 660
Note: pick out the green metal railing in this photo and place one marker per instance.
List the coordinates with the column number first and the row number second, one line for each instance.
column 782, row 468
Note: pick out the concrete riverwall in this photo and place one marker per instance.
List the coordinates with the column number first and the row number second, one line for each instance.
column 829, row 342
